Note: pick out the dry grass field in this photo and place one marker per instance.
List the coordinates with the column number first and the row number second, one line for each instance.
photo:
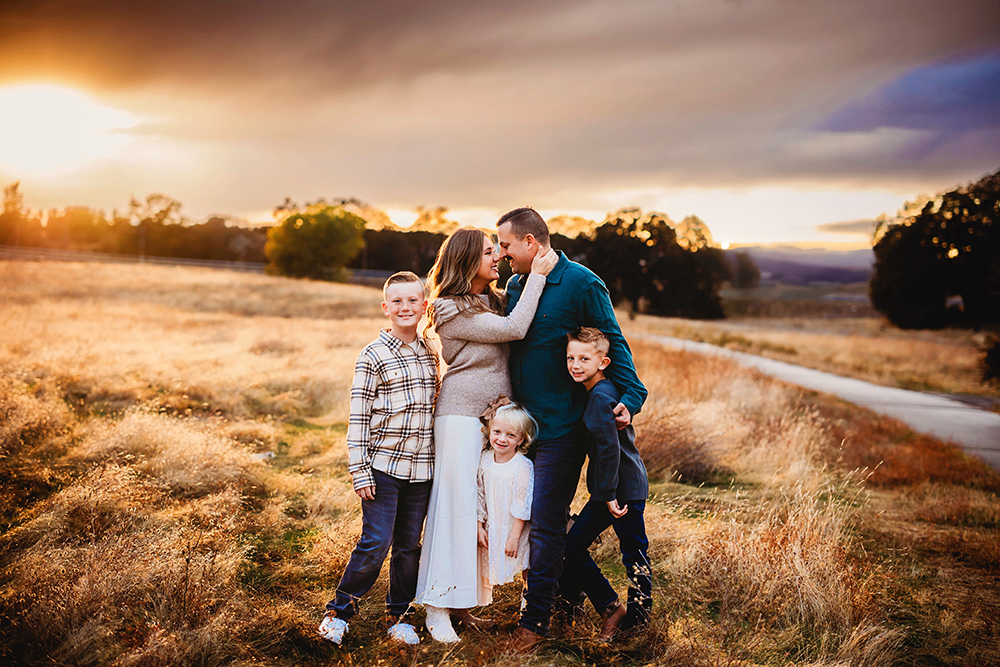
column 868, row 348
column 139, row 528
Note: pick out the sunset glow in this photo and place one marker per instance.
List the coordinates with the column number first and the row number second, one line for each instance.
column 784, row 135
column 50, row 130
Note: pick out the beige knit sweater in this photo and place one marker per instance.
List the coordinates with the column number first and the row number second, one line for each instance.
column 474, row 345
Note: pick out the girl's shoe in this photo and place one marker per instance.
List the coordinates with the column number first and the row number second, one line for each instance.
column 439, row 624
column 466, row 617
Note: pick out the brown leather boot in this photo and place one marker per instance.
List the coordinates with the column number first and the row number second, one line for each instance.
column 611, row 618
column 523, row 641
column 467, row 619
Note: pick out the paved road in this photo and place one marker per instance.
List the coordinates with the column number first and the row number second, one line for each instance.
column 977, row 431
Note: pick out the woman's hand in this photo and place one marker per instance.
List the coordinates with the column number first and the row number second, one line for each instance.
column 484, row 540
column 544, row 263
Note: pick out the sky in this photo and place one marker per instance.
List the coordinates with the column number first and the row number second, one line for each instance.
column 774, row 121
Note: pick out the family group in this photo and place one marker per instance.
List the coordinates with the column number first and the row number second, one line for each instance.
column 539, row 377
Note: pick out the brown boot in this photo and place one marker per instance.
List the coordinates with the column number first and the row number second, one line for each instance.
column 467, row 619
column 523, row 641
column 612, row 618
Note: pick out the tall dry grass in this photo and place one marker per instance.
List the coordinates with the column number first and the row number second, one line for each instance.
column 870, row 349
column 141, row 529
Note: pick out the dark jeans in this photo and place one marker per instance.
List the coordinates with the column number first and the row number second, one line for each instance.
column 395, row 518
column 557, row 472
column 581, row 573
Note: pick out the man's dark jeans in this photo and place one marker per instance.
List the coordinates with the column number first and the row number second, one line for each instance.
column 396, row 518
column 581, row 573
column 557, row 472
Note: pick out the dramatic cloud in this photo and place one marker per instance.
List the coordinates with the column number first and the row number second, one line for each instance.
column 492, row 104
column 853, row 227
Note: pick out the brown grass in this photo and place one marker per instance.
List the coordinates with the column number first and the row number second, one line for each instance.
column 141, row 530
column 947, row 361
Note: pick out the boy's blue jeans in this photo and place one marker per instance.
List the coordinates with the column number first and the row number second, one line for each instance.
column 581, row 573
column 395, row 518
column 557, row 472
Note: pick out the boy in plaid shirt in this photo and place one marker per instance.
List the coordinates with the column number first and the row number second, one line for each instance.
column 391, row 459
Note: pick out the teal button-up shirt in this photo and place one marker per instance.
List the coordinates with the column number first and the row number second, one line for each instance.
column 573, row 297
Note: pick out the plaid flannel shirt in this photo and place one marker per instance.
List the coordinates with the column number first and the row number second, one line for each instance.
column 392, row 411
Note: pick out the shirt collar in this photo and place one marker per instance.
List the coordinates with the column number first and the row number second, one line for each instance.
column 556, row 274
column 394, row 343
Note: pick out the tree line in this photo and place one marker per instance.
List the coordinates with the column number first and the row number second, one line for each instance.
column 938, row 263
column 650, row 263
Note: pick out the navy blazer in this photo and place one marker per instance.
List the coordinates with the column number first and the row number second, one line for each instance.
column 615, row 470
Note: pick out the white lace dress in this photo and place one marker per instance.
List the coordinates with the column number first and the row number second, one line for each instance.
column 504, row 495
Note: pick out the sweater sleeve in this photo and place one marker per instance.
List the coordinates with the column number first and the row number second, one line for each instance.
column 605, row 452
column 492, row 328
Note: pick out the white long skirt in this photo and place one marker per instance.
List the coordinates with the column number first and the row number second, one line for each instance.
column 449, row 574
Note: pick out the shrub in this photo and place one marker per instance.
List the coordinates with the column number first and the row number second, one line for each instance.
column 315, row 243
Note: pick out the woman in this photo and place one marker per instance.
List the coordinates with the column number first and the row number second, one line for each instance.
column 467, row 313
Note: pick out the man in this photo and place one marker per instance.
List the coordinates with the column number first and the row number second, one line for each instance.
column 573, row 297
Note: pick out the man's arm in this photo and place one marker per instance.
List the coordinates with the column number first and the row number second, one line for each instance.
column 363, row 390
column 596, row 311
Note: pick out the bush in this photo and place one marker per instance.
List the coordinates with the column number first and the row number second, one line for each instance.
column 991, row 362
column 315, row 243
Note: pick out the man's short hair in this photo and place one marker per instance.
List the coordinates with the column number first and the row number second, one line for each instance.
column 591, row 336
column 524, row 221
column 400, row 277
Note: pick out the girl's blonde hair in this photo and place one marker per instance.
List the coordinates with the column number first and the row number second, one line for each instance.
column 458, row 261
column 514, row 415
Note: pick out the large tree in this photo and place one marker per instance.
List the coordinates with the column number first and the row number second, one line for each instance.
column 945, row 247
column 647, row 265
column 314, row 243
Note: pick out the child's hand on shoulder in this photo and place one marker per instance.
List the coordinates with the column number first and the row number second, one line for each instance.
column 512, row 543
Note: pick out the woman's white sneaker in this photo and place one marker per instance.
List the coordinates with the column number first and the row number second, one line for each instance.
column 439, row 624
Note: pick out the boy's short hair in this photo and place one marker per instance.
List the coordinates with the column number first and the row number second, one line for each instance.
column 591, row 336
column 515, row 415
column 400, row 277
column 524, row 221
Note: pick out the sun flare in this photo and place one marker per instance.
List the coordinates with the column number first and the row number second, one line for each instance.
column 48, row 130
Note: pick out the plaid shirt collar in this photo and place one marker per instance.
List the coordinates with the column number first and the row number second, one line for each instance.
column 394, row 343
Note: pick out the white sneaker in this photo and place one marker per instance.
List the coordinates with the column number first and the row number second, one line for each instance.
column 333, row 628
column 404, row 632
column 439, row 624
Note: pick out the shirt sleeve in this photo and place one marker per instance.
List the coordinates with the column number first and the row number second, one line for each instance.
column 481, row 495
column 363, row 391
column 605, row 453
column 597, row 312
column 524, row 487
column 490, row 327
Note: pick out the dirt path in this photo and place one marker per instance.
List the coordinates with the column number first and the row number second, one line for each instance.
column 975, row 430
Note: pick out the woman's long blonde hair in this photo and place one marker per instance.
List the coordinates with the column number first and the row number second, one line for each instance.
column 458, row 261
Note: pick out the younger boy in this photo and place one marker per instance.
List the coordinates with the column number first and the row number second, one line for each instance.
column 390, row 458
column 616, row 479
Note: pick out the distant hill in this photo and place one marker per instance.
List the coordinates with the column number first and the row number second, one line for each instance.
column 801, row 266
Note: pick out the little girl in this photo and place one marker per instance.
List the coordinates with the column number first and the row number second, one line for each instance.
column 506, row 482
